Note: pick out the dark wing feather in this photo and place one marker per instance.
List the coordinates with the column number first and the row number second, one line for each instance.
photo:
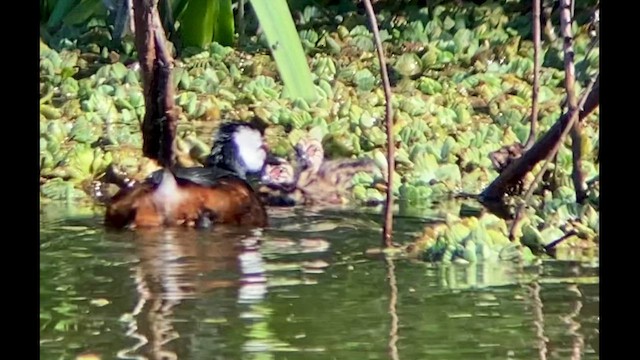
column 204, row 176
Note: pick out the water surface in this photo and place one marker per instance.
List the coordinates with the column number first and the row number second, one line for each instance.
column 301, row 289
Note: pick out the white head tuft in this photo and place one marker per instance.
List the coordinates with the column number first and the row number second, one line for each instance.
column 250, row 148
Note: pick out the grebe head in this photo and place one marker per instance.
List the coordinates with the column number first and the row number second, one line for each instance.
column 310, row 153
column 278, row 174
column 239, row 147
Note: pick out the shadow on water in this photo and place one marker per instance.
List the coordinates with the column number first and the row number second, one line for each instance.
column 298, row 290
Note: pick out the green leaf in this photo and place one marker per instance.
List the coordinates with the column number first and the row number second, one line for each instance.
column 448, row 23
column 286, row 48
column 100, row 302
column 426, row 166
column 550, row 234
column 178, row 7
column 82, row 12
column 197, row 23
column 60, row 10
column 58, row 189
column 448, row 172
column 531, row 237
column 224, row 26
column 429, row 86
column 364, row 80
column 462, row 39
column 457, row 233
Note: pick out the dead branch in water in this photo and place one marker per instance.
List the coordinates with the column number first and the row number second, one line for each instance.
column 388, row 217
column 572, row 116
column 536, row 76
column 160, row 118
column 517, row 169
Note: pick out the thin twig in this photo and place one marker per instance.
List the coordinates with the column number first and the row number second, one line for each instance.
column 393, row 300
column 595, row 29
column 573, row 8
column 572, row 118
column 578, row 175
column 536, row 76
column 570, row 78
column 550, row 247
column 388, row 217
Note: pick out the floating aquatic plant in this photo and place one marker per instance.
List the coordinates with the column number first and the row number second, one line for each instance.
column 461, row 90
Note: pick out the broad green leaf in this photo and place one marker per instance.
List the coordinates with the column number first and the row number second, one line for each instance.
column 197, row 23
column 82, row 12
column 285, row 45
column 224, row 25
column 61, row 10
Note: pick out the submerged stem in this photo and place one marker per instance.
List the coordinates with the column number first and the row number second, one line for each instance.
column 393, row 300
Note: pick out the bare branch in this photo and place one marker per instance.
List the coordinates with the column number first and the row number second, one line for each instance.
column 594, row 29
column 517, row 169
column 388, row 218
column 573, row 8
column 554, row 150
column 569, row 69
column 536, row 76
column 550, row 248
column 160, row 119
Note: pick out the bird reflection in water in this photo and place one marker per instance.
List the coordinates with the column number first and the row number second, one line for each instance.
column 184, row 264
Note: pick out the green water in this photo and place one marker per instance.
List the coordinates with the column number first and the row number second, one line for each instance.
column 299, row 290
